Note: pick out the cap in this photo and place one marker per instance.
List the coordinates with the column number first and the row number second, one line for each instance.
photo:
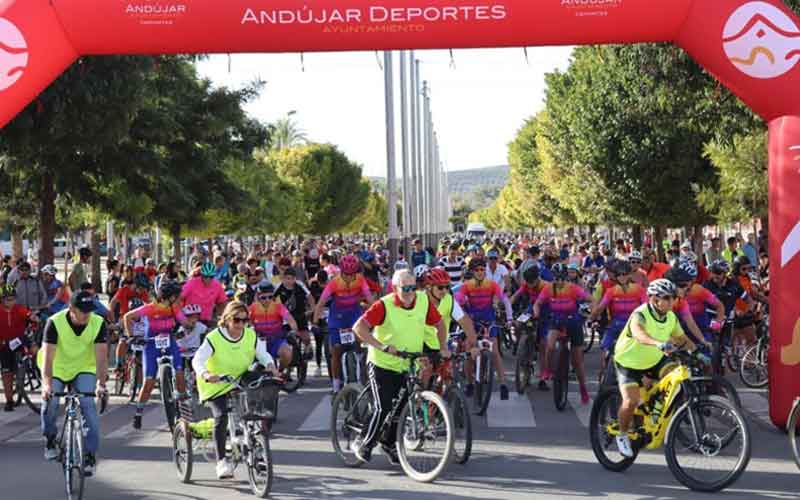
column 83, row 301
column 290, row 271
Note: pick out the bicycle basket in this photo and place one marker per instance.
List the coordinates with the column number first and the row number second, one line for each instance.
column 258, row 403
column 203, row 429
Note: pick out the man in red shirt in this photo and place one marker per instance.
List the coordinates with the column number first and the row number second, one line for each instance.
column 14, row 318
column 655, row 270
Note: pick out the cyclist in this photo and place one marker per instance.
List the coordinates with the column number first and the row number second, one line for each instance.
column 683, row 281
column 347, row 289
column 191, row 332
column 315, row 286
column 133, row 291
column 533, row 285
column 400, row 321
column 14, row 318
column 744, row 330
column 74, row 353
column 638, row 275
column 57, row 292
column 298, row 300
column 699, row 298
column 267, row 316
column 654, row 270
column 563, row 298
column 229, row 350
column 453, row 263
column 477, row 296
column 620, row 300
column 725, row 288
column 206, row 292
column 161, row 319
column 639, row 351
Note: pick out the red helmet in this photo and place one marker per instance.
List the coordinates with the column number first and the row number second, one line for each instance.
column 437, row 276
column 349, row 264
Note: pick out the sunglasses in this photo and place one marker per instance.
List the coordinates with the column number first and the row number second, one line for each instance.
column 668, row 297
column 265, row 296
column 480, row 270
column 635, row 261
column 408, row 288
column 239, row 319
column 443, row 288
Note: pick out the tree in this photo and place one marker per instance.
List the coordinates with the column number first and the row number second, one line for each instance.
column 286, row 133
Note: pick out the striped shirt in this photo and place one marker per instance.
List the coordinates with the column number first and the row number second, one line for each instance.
column 454, row 269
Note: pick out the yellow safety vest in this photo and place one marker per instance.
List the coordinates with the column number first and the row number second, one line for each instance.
column 402, row 328
column 229, row 358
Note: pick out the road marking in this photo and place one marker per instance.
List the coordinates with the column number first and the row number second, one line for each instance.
column 516, row 412
column 152, row 419
column 19, row 413
column 35, row 433
column 757, row 405
column 320, row 418
column 583, row 411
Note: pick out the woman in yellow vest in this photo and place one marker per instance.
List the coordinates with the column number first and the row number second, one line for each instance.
column 400, row 321
column 229, row 350
column 74, row 352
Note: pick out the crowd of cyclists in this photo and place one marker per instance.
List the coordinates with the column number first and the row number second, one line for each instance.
column 235, row 306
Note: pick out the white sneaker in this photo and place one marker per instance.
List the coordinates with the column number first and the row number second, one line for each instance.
column 624, row 446
column 224, row 469
column 318, row 371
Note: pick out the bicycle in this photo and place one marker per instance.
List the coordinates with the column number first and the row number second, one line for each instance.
column 483, row 369
column 353, row 358
column 446, row 384
column 675, row 413
column 754, row 369
column 166, row 377
column 295, row 373
column 251, row 412
column 70, row 442
column 591, row 330
column 559, row 365
column 791, row 428
column 424, row 424
column 506, row 340
column 28, row 377
column 527, row 350
column 130, row 371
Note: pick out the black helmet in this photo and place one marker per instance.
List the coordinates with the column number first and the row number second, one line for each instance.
column 266, row 287
column 621, row 266
column 531, row 274
column 141, row 280
column 476, row 263
column 678, row 276
column 169, row 289
column 720, row 266
column 135, row 303
column 740, row 262
column 559, row 271
column 85, row 252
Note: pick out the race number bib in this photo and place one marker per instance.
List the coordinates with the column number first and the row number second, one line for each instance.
column 347, row 337
column 162, row 342
column 14, row 344
column 523, row 318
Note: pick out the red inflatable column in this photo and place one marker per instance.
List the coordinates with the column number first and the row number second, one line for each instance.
column 784, row 251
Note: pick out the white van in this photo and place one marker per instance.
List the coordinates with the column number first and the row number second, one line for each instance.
column 60, row 248
column 476, row 230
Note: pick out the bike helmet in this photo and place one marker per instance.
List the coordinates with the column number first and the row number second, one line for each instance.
column 635, row 255
column 208, row 270
column 169, row 289
column 690, row 268
column 573, row 266
column 266, row 287
column 437, row 276
column 349, row 264
column 49, row 269
column 476, row 263
column 689, row 257
column 242, row 268
column 8, row 291
column 720, row 266
column 559, row 271
column 678, row 276
column 420, row 271
column 740, row 262
column 531, row 274
column 191, row 309
column 662, row 288
column 84, row 252
column 141, row 280
column 135, row 303
column 621, row 267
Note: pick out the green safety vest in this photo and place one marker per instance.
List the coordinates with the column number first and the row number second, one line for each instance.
column 402, row 328
column 630, row 353
column 74, row 353
column 229, row 358
column 445, row 309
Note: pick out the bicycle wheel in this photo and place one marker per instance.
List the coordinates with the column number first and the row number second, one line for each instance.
column 462, row 424
column 73, row 462
column 351, row 409
column 182, row 451
column 603, row 428
column 28, row 378
column 561, row 376
column 135, row 380
column 425, row 436
column 718, row 438
column 722, row 387
column 484, row 382
column 120, row 377
column 291, row 377
column 794, row 435
column 588, row 336
column 734, row 358
column 167, row 395
column 523, row 371
column 754, row 371
column 259, row 468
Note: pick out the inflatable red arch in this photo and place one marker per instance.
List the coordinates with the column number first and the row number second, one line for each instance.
column 753, row 47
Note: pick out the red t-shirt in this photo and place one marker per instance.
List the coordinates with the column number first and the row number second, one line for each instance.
column 13, row 321
column 376, row 313
column 125, row 294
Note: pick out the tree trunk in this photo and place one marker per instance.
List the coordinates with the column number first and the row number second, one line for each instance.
column 658, row 238
column 697, row 241
column 96, row 276
column 16, row 242
column 592, row 229
column 175, row 232
column 47, row 219
column 637, row 236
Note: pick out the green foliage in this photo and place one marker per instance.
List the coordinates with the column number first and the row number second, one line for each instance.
column 374, row 219
column 286, row 133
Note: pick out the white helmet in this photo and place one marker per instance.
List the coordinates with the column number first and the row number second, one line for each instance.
column 635, row 255
column 49, row 269
column 420, row 271
column 190, row 309
column 662, row 288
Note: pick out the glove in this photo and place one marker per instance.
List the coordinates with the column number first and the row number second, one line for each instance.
column 666, row 346
column 715, row 325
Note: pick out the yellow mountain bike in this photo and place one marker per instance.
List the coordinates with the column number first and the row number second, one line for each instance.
column 706, row 439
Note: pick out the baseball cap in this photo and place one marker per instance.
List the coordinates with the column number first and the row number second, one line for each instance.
column 83, row 301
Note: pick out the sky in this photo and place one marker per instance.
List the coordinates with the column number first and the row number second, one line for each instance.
column 478, row 101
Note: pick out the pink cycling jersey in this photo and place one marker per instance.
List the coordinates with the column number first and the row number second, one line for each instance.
column 346, row 296
column 160, row 319
column 205, row 296
column 698, row 297
column 565, row 303
column 622, row 302
column 268, row 321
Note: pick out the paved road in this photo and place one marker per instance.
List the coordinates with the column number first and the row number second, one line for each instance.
column 524, row 449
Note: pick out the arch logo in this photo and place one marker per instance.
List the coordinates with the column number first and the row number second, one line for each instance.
column 13, row 54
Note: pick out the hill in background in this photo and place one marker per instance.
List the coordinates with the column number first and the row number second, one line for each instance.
column 465, row 183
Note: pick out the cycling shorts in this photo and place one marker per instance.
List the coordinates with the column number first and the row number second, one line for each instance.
column 749, row 319
column 151, row 354
column 612, row 333
column 573, row 326
column 632, row 376
column 8, row 361
column 274, row 345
